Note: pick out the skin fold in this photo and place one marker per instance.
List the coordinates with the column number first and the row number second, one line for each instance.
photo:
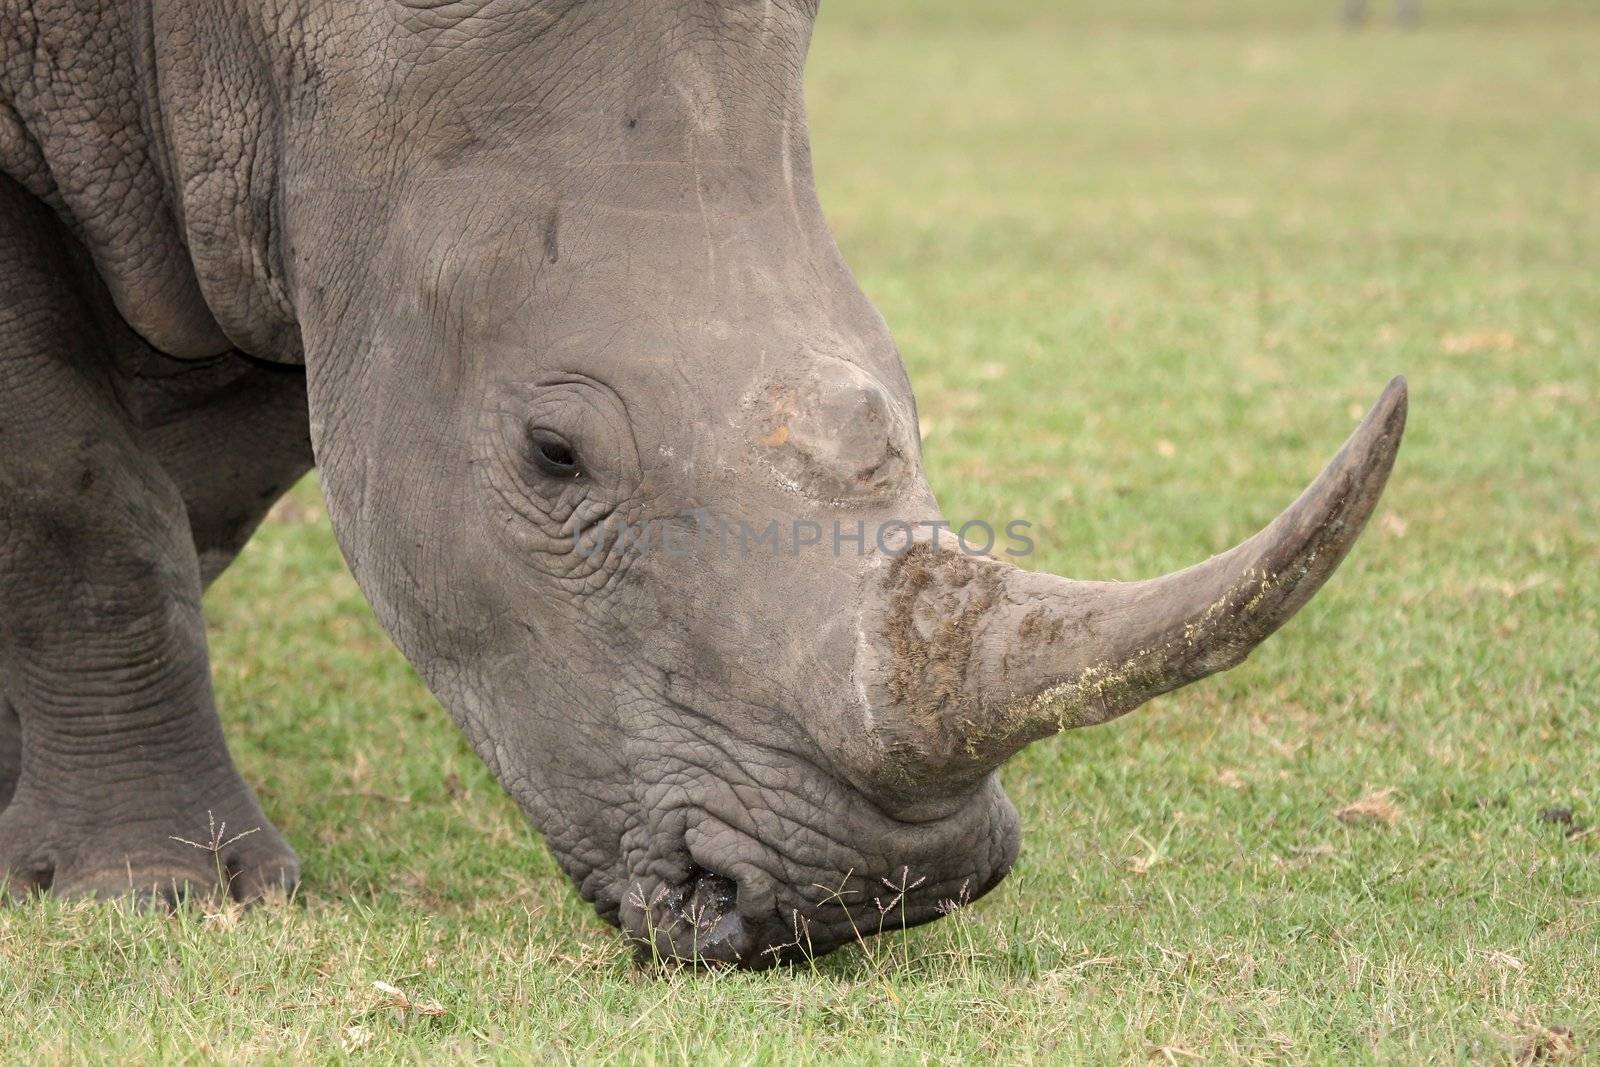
column 525, row 278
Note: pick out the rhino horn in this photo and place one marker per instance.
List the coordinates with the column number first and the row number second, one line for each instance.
column 983, row 658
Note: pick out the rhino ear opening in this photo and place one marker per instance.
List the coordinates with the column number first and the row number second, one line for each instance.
column 984, row 658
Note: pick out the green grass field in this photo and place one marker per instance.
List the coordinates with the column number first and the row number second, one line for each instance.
column 1147, row 263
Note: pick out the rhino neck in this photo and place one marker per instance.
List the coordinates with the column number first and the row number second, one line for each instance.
column 154, row 132
column 81, row 127
column 220, row 86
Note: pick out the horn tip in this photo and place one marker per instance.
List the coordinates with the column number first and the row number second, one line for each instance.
column 1380, row 432
column 1395, row 400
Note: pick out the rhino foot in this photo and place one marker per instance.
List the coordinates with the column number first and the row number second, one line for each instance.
column 218, row 852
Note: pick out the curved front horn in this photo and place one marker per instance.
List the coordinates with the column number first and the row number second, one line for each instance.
column 976, row 658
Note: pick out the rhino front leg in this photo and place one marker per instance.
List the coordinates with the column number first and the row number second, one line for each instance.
column 10, row 749
column 233, row 436
column 125, row 784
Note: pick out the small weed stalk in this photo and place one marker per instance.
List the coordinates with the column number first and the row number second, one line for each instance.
column 217, row 840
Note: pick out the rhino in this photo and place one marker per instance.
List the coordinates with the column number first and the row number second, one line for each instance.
column 517, row 277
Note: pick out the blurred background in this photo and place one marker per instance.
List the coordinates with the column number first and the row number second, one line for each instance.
column 1171, row 248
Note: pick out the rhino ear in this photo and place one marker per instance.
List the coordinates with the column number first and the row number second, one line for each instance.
column 985, row 658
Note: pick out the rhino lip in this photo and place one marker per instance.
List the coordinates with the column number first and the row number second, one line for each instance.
column 697, row 923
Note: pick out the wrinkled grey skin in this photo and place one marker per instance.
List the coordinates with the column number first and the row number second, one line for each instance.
column 449, row 236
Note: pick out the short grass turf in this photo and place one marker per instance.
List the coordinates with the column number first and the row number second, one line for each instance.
column 1148, row 262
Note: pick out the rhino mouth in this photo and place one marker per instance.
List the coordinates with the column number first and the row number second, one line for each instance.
column 696, row 921
column 699, row 921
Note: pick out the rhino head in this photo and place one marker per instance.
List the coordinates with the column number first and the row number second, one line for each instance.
column 560, row 276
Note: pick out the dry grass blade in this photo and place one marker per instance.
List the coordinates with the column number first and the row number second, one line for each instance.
column 1546, row 1044
column 1376, row 808
column 401, row 1001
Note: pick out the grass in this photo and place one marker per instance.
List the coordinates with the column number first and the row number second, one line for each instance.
column 1147, row 263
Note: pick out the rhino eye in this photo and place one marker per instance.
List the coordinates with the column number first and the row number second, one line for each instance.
column 554, row 456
